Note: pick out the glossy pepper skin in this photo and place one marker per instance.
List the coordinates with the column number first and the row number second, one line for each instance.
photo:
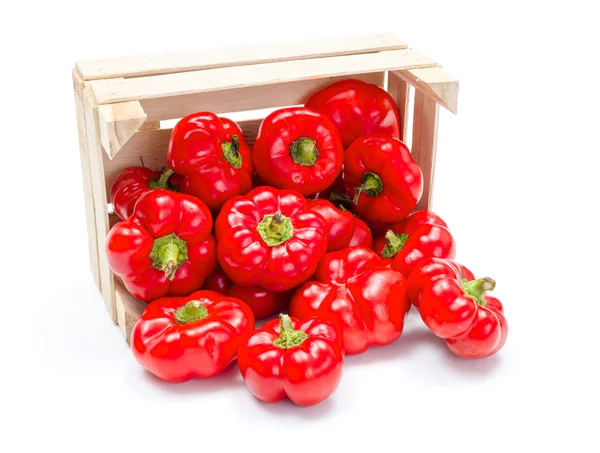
column 344, row 228
column 421, row 235
column 300, row 360
column 382, row 178
column 431, row 268
column 354, row 290
column 298, row 149
column 212, row 157
column 262, row 302
column 197, row 336
column 357, row 108
column 135, row 181
column 460, row 311
column 165, row 248
column 269, row 238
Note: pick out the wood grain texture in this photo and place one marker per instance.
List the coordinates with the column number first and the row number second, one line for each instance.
column 128, row 308
column 122, row 90
column 424, row 142
column 150, row 147
column 118, row 122
column 96, row 155
column 435, row 83
column 138, row 66
column 244, row 99
column 398, row 89
column 86, row 178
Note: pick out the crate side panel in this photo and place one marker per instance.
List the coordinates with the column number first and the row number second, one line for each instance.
column 239, row 56
column 398, row 89
column 424, row 142
column 137, row 89
column 244, row 99
column 86, row 179
column 97, row 154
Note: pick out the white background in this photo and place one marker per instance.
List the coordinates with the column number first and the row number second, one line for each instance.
column 517, row 181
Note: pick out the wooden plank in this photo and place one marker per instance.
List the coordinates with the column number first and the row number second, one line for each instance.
column 398, row 89
column 424, row 142
column 99, row 195
column 150, row 126
column 435, row 83
column 139, row 66
column 129, row 309
column 86, row 178
column 150, row 147
column 118, row 122
column 244, row 99
column 122, row 90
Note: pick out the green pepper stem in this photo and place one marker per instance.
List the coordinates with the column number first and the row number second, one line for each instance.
column 231, row 152
column 190, row 312
column 288, row 336
column 370, row 184
column 162, row 181
column 275, row 229
column 168, row 254
column 476, row 289
column 394, row 243
column 304, row 152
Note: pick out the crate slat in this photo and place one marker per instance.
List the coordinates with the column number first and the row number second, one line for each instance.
column 86, row 176
column 424, row 142
column 121, row 90
column 436, row 83
column 96, row 155
column 238, row 56
column 244, row 99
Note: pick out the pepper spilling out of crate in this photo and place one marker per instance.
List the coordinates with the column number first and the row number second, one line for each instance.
column 320, row 210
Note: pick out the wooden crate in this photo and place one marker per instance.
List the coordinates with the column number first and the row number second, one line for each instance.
column 122, row 105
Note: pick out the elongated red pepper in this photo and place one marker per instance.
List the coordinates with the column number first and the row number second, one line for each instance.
column 382, row 178
column 421, row 235
column 298, row 149
column 300, row 360
column 357, row 108
column 135, row 181
column 354, row 290
column 165, row 248
column 262, row 302
column 212, row 157
column 269, row 238
column 344, row 228
column 431, row 268
column 179, row 338
column 460, row 311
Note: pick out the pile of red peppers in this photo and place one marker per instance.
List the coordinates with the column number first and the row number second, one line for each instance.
column 314, row 226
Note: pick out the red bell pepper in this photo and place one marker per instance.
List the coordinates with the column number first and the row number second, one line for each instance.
column 431, row 268
column 344, row 228
column 269, row 238
column 135, row 181
column 165, row 248
column 421, row 235
column 354, row 290
column 460, row 311
column 262, row 302
column 212, row 157
column 300, row 360
column 357, row 108
column 384, row 180
column 179, row 338
column 298, row 149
